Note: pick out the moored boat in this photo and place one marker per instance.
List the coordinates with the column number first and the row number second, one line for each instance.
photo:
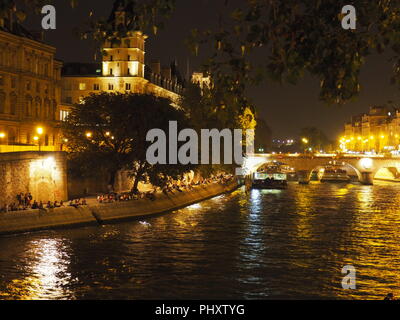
column 264, row 180
column 332, row 174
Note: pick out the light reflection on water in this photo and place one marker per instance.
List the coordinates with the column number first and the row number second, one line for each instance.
column 263, row 245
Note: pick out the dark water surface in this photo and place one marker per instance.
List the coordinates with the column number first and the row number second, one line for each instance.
column 265, row 245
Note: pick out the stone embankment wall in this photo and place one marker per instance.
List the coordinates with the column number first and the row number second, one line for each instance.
column 31, row 220
column 43, row 174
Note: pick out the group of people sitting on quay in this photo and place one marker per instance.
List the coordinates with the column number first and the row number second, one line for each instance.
column 26, row 202
column 170, row 188
column 127, row 196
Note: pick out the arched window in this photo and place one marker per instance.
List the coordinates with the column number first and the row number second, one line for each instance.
column 2, row 102
column 13, row 103
column 28, row 106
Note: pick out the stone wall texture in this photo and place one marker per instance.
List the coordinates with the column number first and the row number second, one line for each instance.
column 43, row 174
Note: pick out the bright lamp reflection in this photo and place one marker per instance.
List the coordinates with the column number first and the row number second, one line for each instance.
column 49, row 270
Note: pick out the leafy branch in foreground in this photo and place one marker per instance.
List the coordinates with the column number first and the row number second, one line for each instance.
column 296, row 37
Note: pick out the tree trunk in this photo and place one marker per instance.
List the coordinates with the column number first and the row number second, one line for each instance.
column 111, row 181
column 135, row 189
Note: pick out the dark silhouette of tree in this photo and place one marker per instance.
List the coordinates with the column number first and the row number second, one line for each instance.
column 107, row 133
column 316, row 138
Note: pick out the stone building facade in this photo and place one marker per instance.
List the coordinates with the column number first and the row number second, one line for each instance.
column 123, row 70
column 375, row 131
column 30, row 90
column 42, row 174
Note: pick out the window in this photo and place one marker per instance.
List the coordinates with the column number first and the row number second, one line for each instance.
column 13, row 83
column 111, row 58
column 28, row 85
column 1, row 81
column 82, row 86
column 111, row 72
column 2, row 102
column 13, row 103
column 28, row 106
column 129, row 71
column 96, row 87
column 129, row 58
column 37, row 87
column 110, row 86
column 128, row 86
column 63, row 115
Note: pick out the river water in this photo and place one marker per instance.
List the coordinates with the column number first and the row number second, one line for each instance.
column 289, row 244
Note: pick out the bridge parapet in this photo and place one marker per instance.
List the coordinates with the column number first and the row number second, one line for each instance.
column 366, row 167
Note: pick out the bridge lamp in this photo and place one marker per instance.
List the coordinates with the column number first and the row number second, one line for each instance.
column 366, row 163
column 305, row 140
column 2, row 135
column 88, row 134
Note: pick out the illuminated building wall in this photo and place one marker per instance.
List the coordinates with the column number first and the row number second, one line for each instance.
column 122, row 70
column 44, row 175
column 30, row 91
column 378, row 130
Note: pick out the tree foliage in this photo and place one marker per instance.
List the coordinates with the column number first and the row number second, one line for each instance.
column 296, row 37
column 316, row 138
column 108, row 133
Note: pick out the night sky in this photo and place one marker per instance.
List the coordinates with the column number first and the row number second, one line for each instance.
column 286, row 108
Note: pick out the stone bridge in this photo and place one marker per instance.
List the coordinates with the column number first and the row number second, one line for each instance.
column 366, row 167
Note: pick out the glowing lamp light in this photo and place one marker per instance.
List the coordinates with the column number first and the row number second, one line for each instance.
column 36, row 138
column 366, row 163
column 2, row 135
column 39, row 130
column 88, row 134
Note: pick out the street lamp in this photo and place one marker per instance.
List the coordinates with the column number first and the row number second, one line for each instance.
column 88, row 135
column 39, row 131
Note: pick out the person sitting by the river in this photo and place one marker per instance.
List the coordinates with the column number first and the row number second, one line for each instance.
column 49, row 205
column 84, row 203
column 35, row 205
column 56, row 204
column 40, row 205
column 73, row 204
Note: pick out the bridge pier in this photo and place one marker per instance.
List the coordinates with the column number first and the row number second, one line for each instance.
column 367, row 178
column 304, row 176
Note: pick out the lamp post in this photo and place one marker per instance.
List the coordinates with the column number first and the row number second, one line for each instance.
column 305, row 141
column 2, row 136
column 39, row 131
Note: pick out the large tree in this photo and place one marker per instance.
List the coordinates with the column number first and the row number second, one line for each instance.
column 312, row 137
column 108, row 132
